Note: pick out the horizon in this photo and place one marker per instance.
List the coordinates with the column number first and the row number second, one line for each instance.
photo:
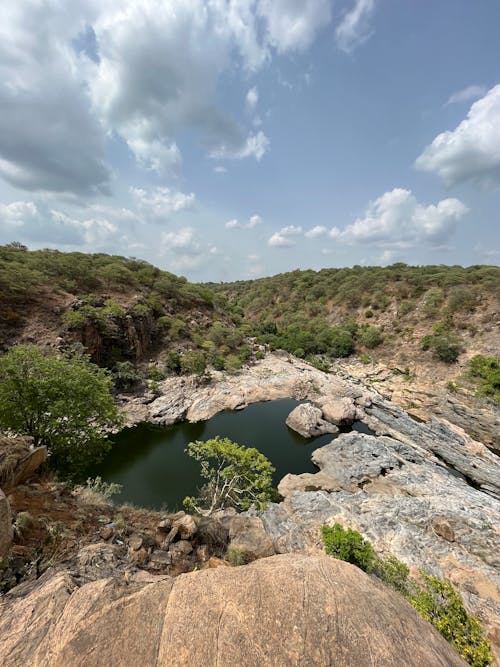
column 229, row 140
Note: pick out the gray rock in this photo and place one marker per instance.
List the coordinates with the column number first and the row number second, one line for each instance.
column 307, row 420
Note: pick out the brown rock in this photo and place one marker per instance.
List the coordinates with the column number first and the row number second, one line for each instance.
column 186, row 526
column 160, row 561
column 180, row 549
column 202, row 553
column 283, row 611
column 139, row 556
column 5, row 525
column 106, row 532
column 164, row 526
column 340, row 412
column 248, row 536
column 135, row 541
column 442, row 528
column 214, row 562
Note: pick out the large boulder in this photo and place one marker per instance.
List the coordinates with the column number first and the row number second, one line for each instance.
column 248, row 536
column 286, row 610
column 341, row 411
column 308, row 421
column 5, row 525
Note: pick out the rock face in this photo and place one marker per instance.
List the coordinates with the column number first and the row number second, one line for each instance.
column 248, row 536
column 407, row 503
column 340, row 412
column 308, row 421
column 285, row 610
column 5, row 525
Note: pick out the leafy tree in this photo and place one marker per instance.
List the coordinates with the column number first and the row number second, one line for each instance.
column 63, row 402
column 485, row 371
column 235, row 476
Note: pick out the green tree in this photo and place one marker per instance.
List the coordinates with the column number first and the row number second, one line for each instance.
column 234, row 475
column 63, row 402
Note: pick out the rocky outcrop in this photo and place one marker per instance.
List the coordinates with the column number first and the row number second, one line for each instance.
column 285, row 610
column 248, row 536
column 5, row 525
column 340, row 412
column 307, row 420
column 408, row 504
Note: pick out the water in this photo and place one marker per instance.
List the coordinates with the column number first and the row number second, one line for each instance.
column 151, row 465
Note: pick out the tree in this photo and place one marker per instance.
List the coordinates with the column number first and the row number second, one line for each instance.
column 63, row 402
column 235, row 476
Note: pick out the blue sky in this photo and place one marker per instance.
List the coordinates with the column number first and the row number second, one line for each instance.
column 231, row 139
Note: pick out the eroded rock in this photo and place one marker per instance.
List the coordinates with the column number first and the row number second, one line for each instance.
column 307, row 420
column 248, row 536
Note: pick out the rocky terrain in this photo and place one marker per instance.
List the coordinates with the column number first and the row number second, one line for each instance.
column 286, row 610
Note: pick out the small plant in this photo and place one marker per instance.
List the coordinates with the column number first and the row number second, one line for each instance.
column 452, row 387
column 96, row 491
column 349, row 545
column 235, row 556
column 485, row 372
column 393, row 573
column 23, row 522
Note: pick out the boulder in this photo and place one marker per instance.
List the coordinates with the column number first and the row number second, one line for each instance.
column 248, row 535
column 340, row 412
column 286, row 610
column 5, row 525
column 186, row 526
column 307, row 420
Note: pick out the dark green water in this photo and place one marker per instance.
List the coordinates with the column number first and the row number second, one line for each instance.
column 151, row 465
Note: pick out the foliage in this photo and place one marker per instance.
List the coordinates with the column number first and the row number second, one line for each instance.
column 435, row 600
column 125, row 375
column 485, row 372
column 63, row 402
column 440, row 604
column 235, row 555
column 234, row 475
column 370, row 336
column 349, row 545
column 444, row 345
column 193, row 362
column 95, row 491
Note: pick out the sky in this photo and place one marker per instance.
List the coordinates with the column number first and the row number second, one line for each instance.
column 233, row 139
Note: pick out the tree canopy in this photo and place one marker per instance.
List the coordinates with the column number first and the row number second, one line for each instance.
column 235, row 476
column 64, row 402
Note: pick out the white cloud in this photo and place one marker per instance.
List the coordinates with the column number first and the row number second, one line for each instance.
column 284, row 237
column 182, row 238
column 354, row 28
column 291, row 25
column 17, row 213
column 256, row 145
column 252, row 98
column 397, row 220
column 220, row 169
column 467, row 94
column 316, row 232
column 162, row 203
column 253, row 221
column 470, row 152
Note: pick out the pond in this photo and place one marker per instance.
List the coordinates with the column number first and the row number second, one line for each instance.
column 151, row 465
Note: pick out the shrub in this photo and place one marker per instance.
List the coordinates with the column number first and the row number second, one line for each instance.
column 370, row 337
column 393, row 573
column 444, row 346
column 440, row 604
column 96, row 491
column 126, row 375
column 349, row 545
column 485, row 371
column 193, row 362
column 235, row 556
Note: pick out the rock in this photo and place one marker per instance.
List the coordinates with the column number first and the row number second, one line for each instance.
column 249, row 536
column 5, row 525
column 286, row 610
column 160, row 561
column 202, row 553
column 106, row 532
column 214, row 562
column 213, row 533
column 165, row 525
column 307, row 420
column 402, row 499
column 180, row 549
column 139, row 556
column 442, row 528
column 135, row 541
column 340, row 412
column 186, row 526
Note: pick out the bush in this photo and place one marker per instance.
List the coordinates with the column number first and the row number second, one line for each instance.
column 485, row 371
column 445, row 346
column 349, row 545
column 440, row 604
column 370, row 337
column 393, row 573
column 125, row 375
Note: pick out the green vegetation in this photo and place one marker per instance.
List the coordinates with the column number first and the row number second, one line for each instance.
column 349, row 545
column 443, row 343
column 485, row 373
column 435, row 600
column 63, row 402
column 235, row 476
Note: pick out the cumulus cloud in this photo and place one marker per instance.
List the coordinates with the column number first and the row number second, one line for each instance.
column 17, row 213
column 253, row 221
column 466, row 94
column 182, row 238
column 470, row 152
column 256, row 145
column 316, row 232
column 355, row 29
column 397, row 220
column 284, row 238
column 162, row 203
